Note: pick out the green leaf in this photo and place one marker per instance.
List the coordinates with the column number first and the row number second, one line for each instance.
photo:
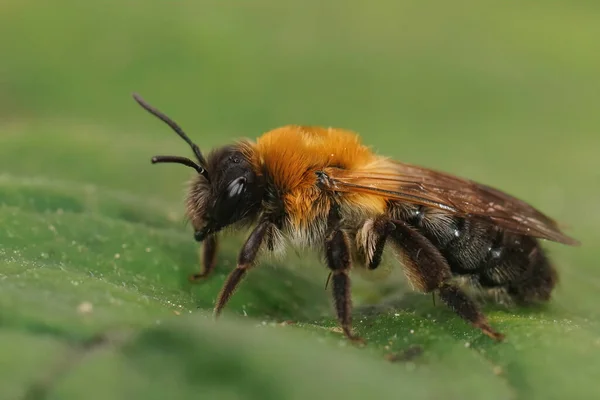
column 129, row 277
column 95, row 252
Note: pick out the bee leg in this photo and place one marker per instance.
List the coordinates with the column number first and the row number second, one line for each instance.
column 245, row 261
column 337, row 253
column 209, row 258
column 374, row 235
column 428, row 270
column 464, row 306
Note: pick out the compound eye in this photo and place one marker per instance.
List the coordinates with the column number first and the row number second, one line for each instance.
column 227, row 205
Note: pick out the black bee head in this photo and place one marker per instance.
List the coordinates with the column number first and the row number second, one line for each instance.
column 234, row 193
column 227, row 189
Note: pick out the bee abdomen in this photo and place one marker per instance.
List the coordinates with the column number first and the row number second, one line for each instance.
column 464, row 242
column 503, row 266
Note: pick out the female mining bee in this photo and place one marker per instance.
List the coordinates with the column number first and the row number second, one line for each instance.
column 322, row 188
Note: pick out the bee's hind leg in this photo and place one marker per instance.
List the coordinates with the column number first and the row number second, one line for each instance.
column 209, row 258
column 428, row 270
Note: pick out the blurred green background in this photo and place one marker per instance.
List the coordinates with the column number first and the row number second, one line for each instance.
column 507, row 94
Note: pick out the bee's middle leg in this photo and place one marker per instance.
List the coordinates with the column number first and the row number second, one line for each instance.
column 209, row 258
column 337, row 253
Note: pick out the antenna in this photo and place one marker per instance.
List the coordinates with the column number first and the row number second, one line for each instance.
column 175, row 159
column 178, row 160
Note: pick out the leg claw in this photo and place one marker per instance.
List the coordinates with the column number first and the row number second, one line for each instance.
column 357, row 340
column 354, row 339
column 489, row 331
column 197, row 277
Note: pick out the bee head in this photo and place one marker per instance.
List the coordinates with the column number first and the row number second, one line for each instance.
column 227, row 189
column 233, row 194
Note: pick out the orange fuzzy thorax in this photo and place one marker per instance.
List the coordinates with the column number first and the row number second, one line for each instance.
column 292, row 155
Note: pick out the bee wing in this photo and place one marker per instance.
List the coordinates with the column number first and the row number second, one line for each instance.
column 462, row 197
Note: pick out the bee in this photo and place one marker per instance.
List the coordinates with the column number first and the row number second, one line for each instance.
column 321, row 188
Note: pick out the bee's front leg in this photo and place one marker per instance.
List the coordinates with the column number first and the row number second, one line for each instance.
column 209, row 258
column 246, row 260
